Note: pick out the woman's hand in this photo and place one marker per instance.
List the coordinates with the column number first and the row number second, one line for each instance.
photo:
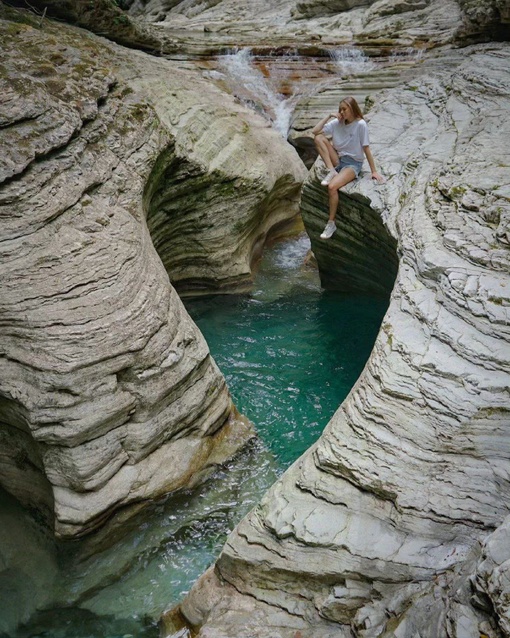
column 317, row 129
column 378, row 177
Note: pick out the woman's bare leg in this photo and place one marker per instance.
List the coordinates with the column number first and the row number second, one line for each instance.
column 345, row 176
column 326, row 151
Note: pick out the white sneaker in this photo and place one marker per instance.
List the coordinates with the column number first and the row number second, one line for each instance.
column 332, row 173
column 328, row 231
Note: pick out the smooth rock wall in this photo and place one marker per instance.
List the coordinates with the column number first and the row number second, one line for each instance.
column 108, row 393
column 375, row 530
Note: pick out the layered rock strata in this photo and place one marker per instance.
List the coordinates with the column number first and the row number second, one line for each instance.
column 365, row 253
column 312, row 108
column 108, row 393
column 491, row 581
column 375, row 531
column 104, row 17
column 202, row 28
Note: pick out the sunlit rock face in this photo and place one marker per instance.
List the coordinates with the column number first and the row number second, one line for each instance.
column 375, row 531
column 108, row 393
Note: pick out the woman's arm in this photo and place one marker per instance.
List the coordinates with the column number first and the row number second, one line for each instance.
column 375, row 175
column 317, row 129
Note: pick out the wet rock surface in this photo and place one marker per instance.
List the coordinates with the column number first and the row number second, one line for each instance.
column 109, row 394
column 376, row 528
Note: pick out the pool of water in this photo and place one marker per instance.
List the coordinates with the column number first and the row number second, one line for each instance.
column 117, row 584
column 290, row 353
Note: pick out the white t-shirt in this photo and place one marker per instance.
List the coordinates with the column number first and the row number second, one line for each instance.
column 348, row 139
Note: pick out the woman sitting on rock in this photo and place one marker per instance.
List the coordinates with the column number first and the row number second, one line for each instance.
column 349, row 133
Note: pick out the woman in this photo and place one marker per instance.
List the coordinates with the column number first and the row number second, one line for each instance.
column 346, row 152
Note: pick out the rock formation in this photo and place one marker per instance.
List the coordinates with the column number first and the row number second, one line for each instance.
column 394, row 523
column 108, row 394
column 200, row 28
column 104, row 17
column 491, row 582
column 312, row 8
column 375, row 531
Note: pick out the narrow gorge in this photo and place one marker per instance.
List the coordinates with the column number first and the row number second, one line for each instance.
column 138, row 170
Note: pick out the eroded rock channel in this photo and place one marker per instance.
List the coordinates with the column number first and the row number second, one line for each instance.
column 126, row 177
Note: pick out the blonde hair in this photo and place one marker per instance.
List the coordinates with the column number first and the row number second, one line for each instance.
column 356, row 111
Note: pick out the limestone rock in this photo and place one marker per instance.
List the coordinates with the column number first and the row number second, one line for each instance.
column 104, row 17
column 109, row 395
column 377, row 526
column 492, row 578
column 390, row 7
column 486, row 17
column 208, row 27
column 312, row 8
column 191, row 8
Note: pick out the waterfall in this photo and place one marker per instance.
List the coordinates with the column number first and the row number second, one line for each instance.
column 257, row 90
column 408, row 54
column 351, row 61
column 258, row 82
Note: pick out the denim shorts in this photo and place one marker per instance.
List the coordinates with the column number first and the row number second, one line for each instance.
column 348, row 161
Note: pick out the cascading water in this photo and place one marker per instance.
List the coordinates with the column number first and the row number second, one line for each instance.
column 253, row 88
column 351, row 61
column 409, row 55
column 242, row 74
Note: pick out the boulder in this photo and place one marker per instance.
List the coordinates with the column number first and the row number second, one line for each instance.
column 108, row 393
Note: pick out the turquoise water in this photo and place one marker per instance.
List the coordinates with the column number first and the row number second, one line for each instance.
column 290, row 353
column 115, row 585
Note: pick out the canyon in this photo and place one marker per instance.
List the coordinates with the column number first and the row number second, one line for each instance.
column 128, row 179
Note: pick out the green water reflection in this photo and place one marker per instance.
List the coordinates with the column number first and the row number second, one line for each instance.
column 291, row 352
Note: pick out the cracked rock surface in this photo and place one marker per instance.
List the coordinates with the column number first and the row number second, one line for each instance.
column 199, row 26
column 376, row 529
column 108, row 393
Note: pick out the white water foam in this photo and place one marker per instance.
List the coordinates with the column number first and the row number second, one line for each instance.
column 254, row 89
column 351, row 61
